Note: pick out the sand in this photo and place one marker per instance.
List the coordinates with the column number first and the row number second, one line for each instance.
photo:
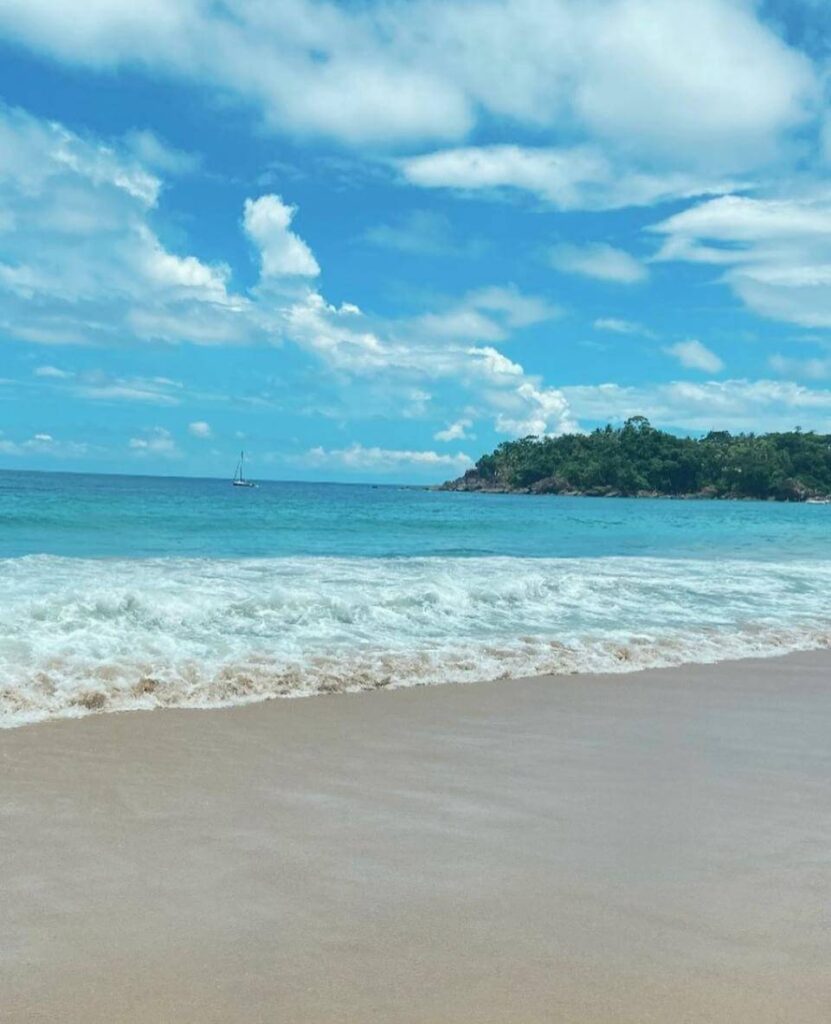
column 653, row 847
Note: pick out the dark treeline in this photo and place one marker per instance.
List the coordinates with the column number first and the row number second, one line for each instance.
column 638, row 459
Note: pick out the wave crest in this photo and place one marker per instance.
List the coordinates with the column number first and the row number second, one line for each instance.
column 85, row 636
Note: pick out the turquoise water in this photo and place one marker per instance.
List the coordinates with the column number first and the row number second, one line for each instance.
column 86, row 516
column 132, row 592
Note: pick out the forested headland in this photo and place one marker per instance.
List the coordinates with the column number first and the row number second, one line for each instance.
column 639, row 460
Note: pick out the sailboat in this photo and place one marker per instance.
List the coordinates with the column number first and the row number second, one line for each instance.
column 239, row 474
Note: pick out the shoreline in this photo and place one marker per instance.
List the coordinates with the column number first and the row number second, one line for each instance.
column 449, row 487
column 640, row 848
column 93, row 703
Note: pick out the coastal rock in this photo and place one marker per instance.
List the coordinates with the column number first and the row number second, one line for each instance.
column 472, row 480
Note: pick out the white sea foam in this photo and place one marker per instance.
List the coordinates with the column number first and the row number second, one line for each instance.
column 81, row 636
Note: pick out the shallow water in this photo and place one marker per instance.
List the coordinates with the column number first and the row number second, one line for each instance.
column 127, row 592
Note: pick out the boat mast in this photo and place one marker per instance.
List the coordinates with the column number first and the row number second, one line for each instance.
column 239, row 473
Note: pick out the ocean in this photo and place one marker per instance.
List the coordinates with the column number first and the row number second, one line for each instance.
column 121, row 593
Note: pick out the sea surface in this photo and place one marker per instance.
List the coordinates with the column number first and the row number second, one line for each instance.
column 122, row 592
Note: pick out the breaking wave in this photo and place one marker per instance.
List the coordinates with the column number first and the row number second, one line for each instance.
column 79, row 636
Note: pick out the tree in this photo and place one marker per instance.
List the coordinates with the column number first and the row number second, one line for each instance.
column 638, row 457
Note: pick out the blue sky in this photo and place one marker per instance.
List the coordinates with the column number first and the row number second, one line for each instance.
column 370, row 241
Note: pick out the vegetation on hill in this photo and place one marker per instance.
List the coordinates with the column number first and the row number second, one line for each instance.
column 638, row 459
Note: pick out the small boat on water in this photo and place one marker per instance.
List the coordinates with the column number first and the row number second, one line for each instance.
column 239, row 474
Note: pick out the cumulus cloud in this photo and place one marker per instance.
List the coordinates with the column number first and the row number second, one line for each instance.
column 695, row 356
column 42, row 443
column 418, row 351
column 155, row 441
column 457, row 431
column 282, row 253
column 183, row 274
column 598, row 260
column 102, row 274
column 535, row 412
column 774, row 253
column 695, row 106
column 730, row 404
column 356, row 456
column 199, row 428
column 709, row 80
column 653, row 60
column 80, row 263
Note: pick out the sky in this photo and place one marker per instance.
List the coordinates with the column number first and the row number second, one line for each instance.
column 370, row 241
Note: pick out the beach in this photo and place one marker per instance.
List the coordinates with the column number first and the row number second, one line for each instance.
column 415, row 512
column 636, row 848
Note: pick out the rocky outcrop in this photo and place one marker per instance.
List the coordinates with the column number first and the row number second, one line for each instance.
column 474, row 481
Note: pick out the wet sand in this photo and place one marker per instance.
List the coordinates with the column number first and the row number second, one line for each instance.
column 653, row 847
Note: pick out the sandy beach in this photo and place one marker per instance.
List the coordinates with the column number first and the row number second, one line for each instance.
column 641, row 848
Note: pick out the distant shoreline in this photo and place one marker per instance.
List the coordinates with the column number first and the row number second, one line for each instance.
column 464, row 485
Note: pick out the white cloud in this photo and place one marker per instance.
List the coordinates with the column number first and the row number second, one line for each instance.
column 458, row 431
column 741, row 220
column 709, row 405
column 515, row 308
column 651, row 61
column 102, row 387
column 706, row 80
column 184, row 273
column 156, row 441
column 412, row 352
column 42, row 443
column 536, row 410
column 106, row 277
column 556, row 175
column 495, row 364
column 81, row 264
column 199, row 428
column 618, row 326
column 356, row 456
column 598, row 260
column 52, row 371
column 567, row 179
column 461, row 322
column 487, row 314
column 695, row 356
column 415, row 404
column 282, row 253
column 774, row 253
